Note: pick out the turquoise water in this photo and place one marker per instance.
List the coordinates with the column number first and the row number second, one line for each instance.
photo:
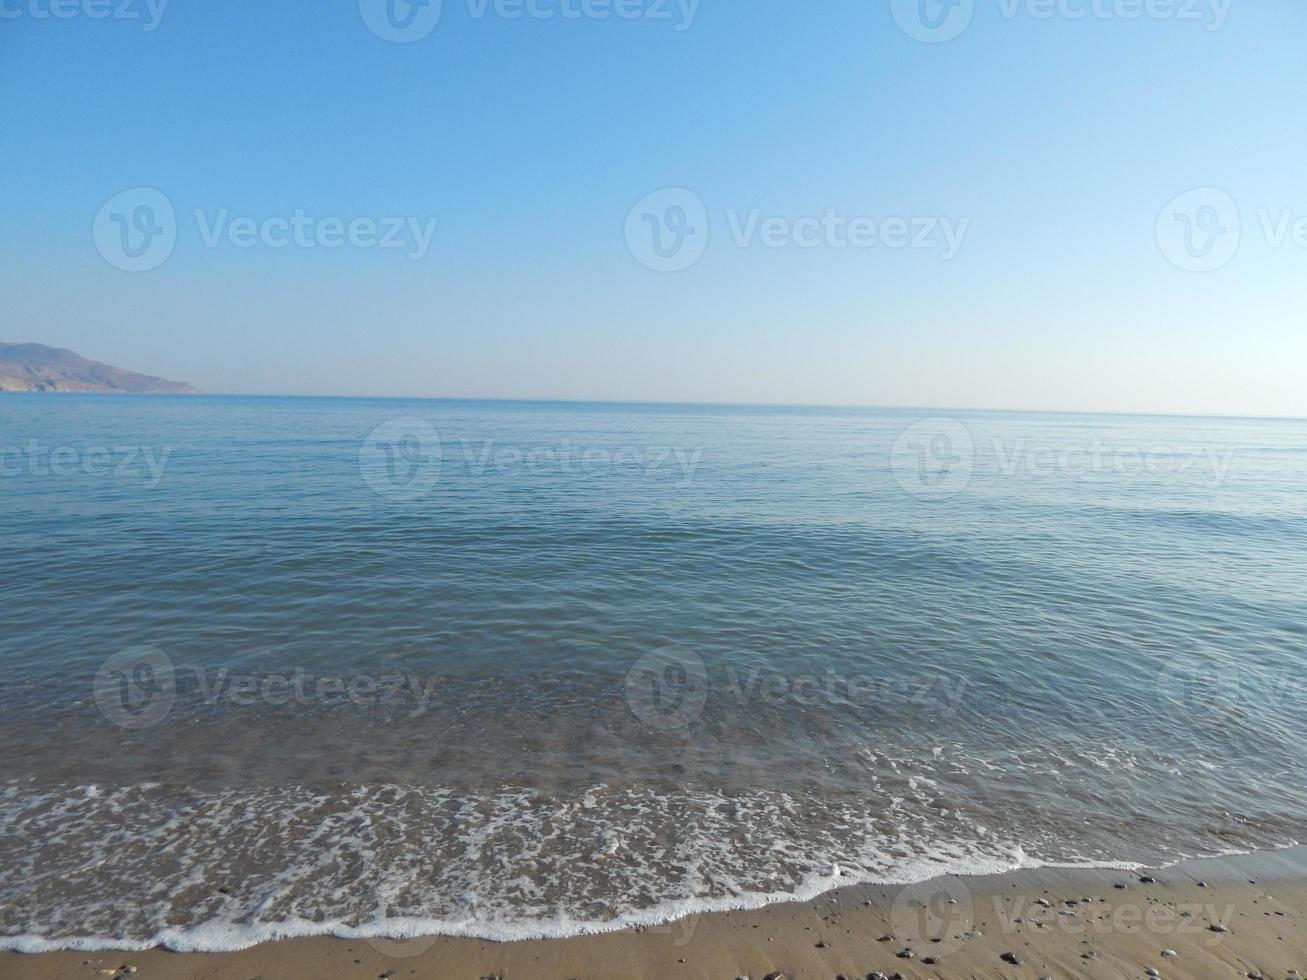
column 501, row 669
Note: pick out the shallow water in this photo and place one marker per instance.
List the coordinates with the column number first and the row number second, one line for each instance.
column 524, row 669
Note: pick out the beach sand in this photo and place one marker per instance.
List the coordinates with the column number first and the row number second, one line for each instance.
column 1056, row 923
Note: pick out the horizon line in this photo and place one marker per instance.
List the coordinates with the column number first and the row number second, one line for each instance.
column 687, row 404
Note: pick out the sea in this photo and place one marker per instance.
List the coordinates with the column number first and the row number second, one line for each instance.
column 390, row 668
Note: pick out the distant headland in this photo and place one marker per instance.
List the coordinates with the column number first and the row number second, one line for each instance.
column 35, row 367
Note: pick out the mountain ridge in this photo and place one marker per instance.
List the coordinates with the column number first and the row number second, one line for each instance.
column 36, row 367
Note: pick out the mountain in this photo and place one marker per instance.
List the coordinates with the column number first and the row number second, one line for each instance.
column 35, row 367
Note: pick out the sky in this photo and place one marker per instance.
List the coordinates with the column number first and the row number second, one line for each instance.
column 1094, row 205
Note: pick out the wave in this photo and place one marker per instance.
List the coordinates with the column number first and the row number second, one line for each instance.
column 138, row 868
column 221, row 936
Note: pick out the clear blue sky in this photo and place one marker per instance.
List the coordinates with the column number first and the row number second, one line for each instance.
column 1060, row 140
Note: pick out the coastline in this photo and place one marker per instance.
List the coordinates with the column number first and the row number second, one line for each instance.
column 953, row 927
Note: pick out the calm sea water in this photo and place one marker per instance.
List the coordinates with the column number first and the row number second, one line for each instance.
column 375, row 667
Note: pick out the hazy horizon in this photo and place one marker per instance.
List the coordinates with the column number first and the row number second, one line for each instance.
column 504, row 399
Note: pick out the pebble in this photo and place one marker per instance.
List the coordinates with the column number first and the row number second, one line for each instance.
column 905, row 954
column 1147, row 880
column 1152, row 972
column 1217, row 927
column 1168, row 952
column 777, row 975
column 1012, row 958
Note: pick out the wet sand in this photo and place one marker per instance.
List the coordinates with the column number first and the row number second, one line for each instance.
column 1242, row 916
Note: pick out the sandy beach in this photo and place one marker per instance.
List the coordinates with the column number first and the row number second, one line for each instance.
column 1222, row 918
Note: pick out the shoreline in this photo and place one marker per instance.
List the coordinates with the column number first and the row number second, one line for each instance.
column 1104, row 922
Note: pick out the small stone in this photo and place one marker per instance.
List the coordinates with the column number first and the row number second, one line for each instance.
column 1202, row 884
column 1152, row 972
column 1147, row 880
column 1012, row 958
column 1169, row 952
column 777, row 975
column 1044, row 902
column 929, row 960
column 905, row 954
column 820, row 945
column 1217, row 927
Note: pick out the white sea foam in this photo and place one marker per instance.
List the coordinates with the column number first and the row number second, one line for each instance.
column 600, row 862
